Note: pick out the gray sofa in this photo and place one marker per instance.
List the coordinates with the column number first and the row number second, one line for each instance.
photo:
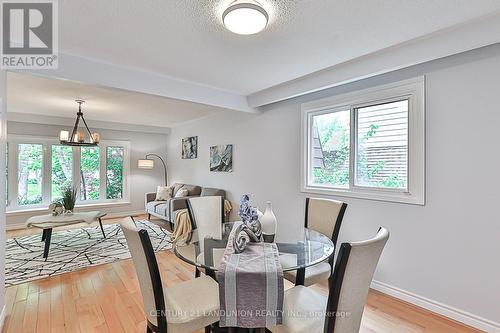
column 165, row 210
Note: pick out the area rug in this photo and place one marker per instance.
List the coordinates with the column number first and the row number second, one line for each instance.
column 72, row 250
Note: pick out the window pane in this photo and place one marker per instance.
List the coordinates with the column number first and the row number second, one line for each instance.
column 89, row 173
column 330, row 149
column 114, row 172
column 30, row 174
column 382, row 145
column 62, row 170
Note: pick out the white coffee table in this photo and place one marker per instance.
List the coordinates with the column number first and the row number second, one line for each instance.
column 48, row 222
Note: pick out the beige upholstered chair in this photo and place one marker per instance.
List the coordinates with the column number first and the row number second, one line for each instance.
column 348, row 289
column 182, row 308
column 325, row 216
column 207, row 216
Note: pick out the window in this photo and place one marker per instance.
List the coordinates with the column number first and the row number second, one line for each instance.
column 90, row 181
column 42, row 169
column 382, row 145
column 114, row 172
column 30, row 174
column 62, row 170
column 367, row 144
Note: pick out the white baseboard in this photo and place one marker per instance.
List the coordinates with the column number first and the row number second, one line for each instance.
column 439, row 308
column 15, row 226
column 2, row 318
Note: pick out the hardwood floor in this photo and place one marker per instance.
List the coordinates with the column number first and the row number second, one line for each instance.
column 106, row 298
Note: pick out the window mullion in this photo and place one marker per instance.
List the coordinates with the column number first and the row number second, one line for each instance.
column 14, row 173
column 46, row 171
column 76, row 170
column 352, row 147
column 102, row 173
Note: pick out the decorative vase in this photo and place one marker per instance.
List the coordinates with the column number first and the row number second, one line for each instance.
column 268, row 223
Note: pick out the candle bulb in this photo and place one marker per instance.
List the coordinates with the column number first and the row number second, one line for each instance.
column 80, row 136
column 96, row 137
column 64, row 136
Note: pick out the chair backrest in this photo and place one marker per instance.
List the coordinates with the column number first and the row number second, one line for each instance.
column 325, row 216
column 147, row 271
column 207, row 215
column 351, row 281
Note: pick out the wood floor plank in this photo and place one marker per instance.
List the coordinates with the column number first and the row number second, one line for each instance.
column 31, row 313
column 44, row 317
column 107, row 299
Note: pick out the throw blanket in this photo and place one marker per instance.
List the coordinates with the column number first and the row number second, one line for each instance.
column 183, row 226
column 250, row 285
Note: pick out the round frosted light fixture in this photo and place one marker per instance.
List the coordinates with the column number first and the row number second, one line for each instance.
column 245, row 18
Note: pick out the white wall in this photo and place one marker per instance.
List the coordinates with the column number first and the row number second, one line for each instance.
column 141, row 181
column 3, row 124
column 443, row 255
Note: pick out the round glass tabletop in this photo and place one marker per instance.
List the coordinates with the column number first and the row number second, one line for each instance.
column 308, row 248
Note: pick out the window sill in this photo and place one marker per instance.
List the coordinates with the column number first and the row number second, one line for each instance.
column 377, row 195
column 83, row 207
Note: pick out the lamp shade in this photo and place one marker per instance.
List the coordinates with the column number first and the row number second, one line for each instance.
column 146, row 164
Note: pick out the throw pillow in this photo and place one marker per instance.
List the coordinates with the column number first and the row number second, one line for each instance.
column 163, row 193
column 183, row 192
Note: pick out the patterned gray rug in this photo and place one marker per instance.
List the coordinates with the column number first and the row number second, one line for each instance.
column 72, row 250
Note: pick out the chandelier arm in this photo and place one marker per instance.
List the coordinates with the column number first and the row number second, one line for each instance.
column 88, row 130
column 75, row 129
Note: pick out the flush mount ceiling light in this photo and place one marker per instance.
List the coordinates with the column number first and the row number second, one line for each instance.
column 245, row 17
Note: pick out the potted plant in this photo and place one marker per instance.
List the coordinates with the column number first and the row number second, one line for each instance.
column 69, row 199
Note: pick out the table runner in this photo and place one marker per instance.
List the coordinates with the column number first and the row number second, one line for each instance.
column 250, row 285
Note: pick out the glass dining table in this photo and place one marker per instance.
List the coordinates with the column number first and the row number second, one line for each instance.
column 297, row 252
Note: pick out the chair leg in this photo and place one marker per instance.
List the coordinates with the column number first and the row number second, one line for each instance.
column 197, row 273
column 208, row 329
column 149, row 217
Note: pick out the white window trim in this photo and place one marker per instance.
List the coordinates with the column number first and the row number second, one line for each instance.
column 47, row 142
column 414, row 90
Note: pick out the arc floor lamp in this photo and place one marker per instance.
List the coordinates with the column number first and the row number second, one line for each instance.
column 148, row 163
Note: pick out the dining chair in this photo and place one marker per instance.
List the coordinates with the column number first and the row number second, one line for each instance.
column 185, row 307
column 348, row 289
column 324, row 216
column 206, row 215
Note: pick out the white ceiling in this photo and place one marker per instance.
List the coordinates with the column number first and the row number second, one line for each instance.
column 27, row 94
column 185, row 39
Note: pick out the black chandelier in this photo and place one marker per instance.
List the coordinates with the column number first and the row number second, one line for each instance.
column 79, row 138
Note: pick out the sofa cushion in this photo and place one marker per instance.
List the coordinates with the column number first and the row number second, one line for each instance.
column 183, row 192
column 207, row 192
column 164, row 193
column 193, row 190
column 177, row 187
column 151, row 206
column 162, row 209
